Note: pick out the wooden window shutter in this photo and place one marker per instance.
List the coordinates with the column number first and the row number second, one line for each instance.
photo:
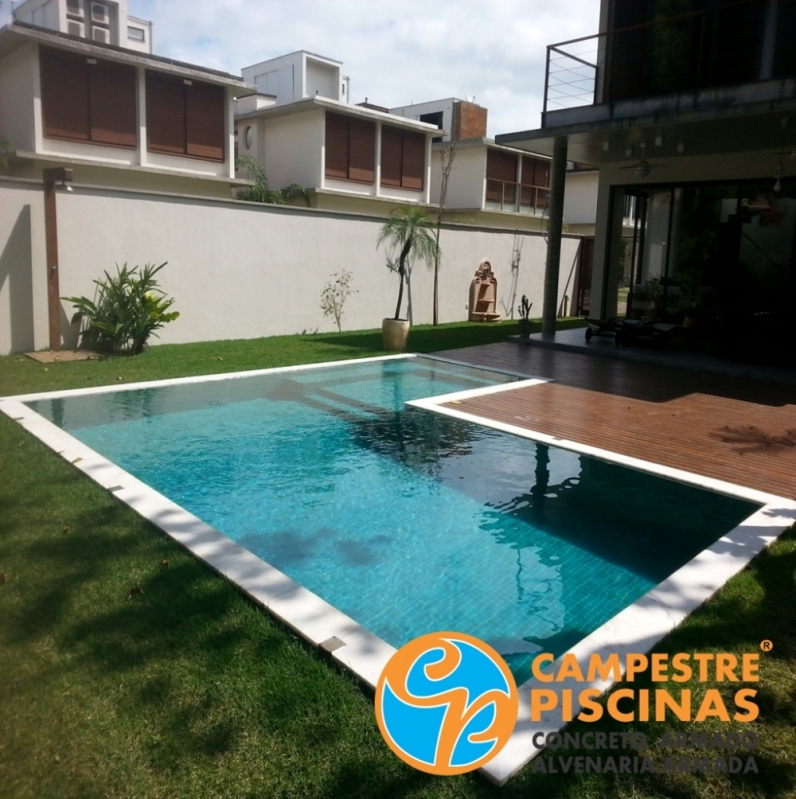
column 337, row 147
column 362, row 151
column 494, row 191
column 112, row 90
column 541, row 173
column 391, row 156
column 64, row 95
column 501, row 166
column 165, row 114
column 205, row 108
column 414, row 160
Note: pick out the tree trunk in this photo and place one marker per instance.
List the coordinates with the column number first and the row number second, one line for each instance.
column 435, row 310
column 401, row 272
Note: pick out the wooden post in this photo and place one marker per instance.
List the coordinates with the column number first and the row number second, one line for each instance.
column 51, row 177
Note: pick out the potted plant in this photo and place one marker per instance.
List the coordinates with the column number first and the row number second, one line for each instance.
column 524, row 309
column 645, row 298
column 408, row 230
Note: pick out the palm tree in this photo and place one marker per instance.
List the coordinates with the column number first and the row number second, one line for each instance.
column 409, row 231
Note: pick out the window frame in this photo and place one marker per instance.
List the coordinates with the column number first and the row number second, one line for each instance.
column 403, row 159
column 181, row 120
column 349, row 149
column 88, row 100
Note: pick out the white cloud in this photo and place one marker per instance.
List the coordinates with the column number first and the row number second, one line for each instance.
column 394, row 53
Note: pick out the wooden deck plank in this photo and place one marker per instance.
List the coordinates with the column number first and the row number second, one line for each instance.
column 733, row 429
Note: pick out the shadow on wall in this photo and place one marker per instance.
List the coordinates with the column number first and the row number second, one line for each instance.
column 16, row 281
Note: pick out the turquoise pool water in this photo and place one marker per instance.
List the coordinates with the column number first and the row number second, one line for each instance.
column 408, row 521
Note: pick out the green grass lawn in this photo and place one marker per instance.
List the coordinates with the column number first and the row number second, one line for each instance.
column 189, row 690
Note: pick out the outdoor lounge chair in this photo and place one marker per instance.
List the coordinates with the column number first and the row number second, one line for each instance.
column 658, row 332
column 602, row 327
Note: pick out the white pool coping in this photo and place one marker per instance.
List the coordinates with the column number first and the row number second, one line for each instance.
column 636, row 629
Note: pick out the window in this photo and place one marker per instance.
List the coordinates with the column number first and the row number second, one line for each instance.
column 87, row 99
column 185, row 117
column 433, row 118
column 403, row 158
column 535, row 183
column 501, row 177
column 137, row 34
column 350, row 148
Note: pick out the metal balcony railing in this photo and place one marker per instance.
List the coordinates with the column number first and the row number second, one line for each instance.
column 743, row 42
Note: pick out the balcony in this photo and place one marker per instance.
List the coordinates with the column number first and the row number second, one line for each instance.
column 502, row 195
column 747, row 42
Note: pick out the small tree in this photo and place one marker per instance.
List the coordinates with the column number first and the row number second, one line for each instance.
column 447, row 153
column 334, row 295
column 408, row 230
column 260, row 191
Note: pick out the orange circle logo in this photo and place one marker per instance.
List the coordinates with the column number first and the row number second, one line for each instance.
column 446, row 703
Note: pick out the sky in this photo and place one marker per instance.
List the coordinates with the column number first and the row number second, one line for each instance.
column 395, row 53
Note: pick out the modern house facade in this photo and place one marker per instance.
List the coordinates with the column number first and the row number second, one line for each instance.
column 690, row 110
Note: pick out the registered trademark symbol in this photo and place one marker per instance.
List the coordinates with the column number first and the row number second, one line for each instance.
column 766, row 645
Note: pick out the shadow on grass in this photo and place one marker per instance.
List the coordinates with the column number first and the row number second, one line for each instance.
column 427, row 338
column 207, row 696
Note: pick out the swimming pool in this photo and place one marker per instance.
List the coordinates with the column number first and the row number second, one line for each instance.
column 405, row 520
column 402, row 520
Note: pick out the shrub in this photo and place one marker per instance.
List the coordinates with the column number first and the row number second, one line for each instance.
column 128, row 308
column 260, row 191
column 334, row 295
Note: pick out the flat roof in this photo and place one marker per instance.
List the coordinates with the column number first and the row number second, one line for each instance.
column 14, row 34
column 310, row 103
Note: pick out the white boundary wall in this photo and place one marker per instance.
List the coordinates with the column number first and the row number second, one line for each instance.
column 240, row 270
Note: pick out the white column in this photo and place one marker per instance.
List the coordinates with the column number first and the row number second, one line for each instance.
column 427, row 181
column 141, row 116
column 377, row 165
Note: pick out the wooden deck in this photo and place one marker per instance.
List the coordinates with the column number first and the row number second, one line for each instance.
column 733, row 429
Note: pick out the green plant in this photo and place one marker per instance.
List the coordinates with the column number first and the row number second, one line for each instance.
column 334, row 295
column 409, row 231
column 524, row 308
column 260, row 191
column 127, row 309
column 649, row 291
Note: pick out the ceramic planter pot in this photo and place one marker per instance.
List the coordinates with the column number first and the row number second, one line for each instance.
column 526, row 328
column 395, row 333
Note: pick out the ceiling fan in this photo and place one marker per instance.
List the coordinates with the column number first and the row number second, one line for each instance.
column 643, row 167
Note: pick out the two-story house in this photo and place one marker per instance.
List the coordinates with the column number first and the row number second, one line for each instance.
column 490, row 184
column 71, row 96
column 690, row 111
column 301, row 128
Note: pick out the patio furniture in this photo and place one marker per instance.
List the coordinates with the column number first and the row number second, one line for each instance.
column 603, row 327
column 657, row 332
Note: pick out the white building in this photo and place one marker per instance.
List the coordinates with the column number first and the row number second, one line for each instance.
column 301, row 128
column 102, row 21
column 298, row 75
column 116, row 116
